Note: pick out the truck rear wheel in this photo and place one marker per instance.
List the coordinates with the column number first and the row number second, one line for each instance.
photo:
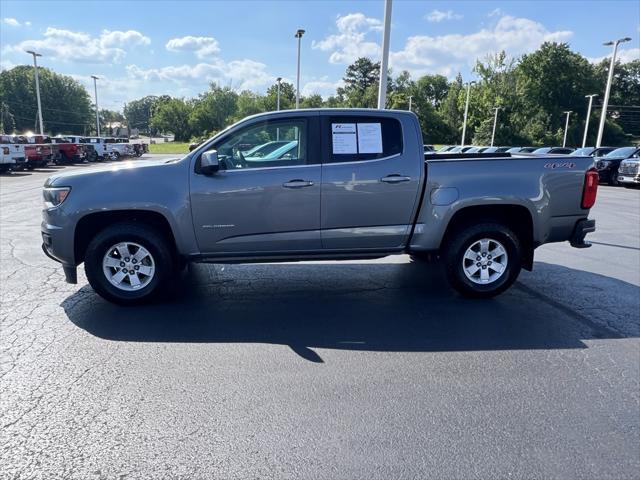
column 128, row 263
column 483, row 260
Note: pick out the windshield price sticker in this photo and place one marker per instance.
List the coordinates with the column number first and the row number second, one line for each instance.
column 369, row 138
column 344, row 138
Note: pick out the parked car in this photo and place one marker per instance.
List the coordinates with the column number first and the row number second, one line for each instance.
column 343, row 196
column 194, row 145
column 528, row 149
column 36, row 154
column 514, row 150
column 592, row 151
column 553, row 151
column 429, row 148
column 13, row 156
column 476, row 149
column 264, row 149
column 459, row 149
column 494, row 149
column 107, row 148
column 609, row 164
column 629, row 171
column 69, row 150
column 445, row 148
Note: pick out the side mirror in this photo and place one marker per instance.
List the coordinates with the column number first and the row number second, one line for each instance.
column 209, row 163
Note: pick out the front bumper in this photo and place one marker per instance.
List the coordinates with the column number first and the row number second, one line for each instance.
column 582, row 228
column 605, row 175
column 58, row 240
column 631, row 179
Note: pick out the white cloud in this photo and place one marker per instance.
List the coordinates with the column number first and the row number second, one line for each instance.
column 12, row 22
column 322, row 86
column 67, row 45
column 437, row 16
column 448, row 54
column 350, row 41
column 624, row 55
column 240, row 74
column 203, row 47
column 496, row 12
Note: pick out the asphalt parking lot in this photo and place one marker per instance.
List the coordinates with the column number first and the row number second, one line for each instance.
column 367, row 369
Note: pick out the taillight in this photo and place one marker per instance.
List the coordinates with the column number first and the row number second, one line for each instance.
column 590, row 188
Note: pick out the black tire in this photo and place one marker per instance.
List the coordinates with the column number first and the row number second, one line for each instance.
column 116, row 156
column 613, row 179
column 465, row 238
column 142, row 234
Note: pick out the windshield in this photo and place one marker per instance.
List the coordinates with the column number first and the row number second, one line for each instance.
column 542, row 150
column 621, row 152
column 583, row 152
column 514, row 150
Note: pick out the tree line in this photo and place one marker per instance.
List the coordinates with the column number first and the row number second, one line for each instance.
column 532, row 92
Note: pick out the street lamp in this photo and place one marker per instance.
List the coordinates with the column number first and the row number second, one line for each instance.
column 566, row 128
column 410, row 98
column 35, row 66
column 298, row 35
column 495, row 121
column 278, row 80
column 586, row 123
column 605, row 102
column 95, row 90
column 382, row 87
column 466, row 111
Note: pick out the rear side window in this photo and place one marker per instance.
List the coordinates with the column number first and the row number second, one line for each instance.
column 361, row 138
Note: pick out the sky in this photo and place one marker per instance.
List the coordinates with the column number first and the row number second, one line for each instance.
column 158, row 47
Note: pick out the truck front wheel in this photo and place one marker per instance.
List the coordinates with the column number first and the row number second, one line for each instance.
column 128, row 263
column 483, row 260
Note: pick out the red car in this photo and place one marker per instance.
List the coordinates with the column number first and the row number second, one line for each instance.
column 68, row 150
column 36, row 154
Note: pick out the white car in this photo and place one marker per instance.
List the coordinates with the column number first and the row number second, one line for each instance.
column 11, row 153
column 108, row 148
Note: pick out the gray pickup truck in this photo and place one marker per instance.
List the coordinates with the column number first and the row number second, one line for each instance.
column 313, row 185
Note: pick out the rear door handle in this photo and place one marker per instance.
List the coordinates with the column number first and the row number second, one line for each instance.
column 395, row 178
column 297, row 183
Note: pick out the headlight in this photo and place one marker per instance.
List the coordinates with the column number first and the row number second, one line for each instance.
column 603, row 164
column 54, row 196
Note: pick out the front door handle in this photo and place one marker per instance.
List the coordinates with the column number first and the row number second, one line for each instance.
column 297, row 183
column 395, row 178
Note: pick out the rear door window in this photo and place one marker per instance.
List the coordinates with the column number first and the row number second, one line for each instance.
column 361, row 138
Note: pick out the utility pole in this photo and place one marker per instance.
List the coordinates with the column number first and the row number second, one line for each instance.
column 410, row 98
column 466, row 111
column 95, row 90
column 298, row 35
column 586, row 123
column 279, row 79
column 607, row 90
column 495, row 121
column 566, row 129
column 35, row 66
column 382, row 88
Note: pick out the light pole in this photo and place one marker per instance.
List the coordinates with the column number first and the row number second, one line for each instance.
column 495, row 121
column 278, row 80
column 35, row 66
column 382, row 88
column 586, row 123
column 298, row 35
column 410, row 98
column 566, row 128
column 605, row 102
column 95, row 90
column 466, row 111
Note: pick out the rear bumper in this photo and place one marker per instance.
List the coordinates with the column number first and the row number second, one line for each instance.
column 582, row 228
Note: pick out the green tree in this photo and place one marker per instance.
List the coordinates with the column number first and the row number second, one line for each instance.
column 66, row 107
column 213, row 110
column 287, row 97
column 138, row 112
column 360, row 84
column 172, row 116
column 311, row 101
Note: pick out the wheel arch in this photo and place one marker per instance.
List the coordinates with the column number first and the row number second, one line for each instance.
column 518, row 218
column 89, row 225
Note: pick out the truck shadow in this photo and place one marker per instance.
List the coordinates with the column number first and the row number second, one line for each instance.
column 356, row 306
